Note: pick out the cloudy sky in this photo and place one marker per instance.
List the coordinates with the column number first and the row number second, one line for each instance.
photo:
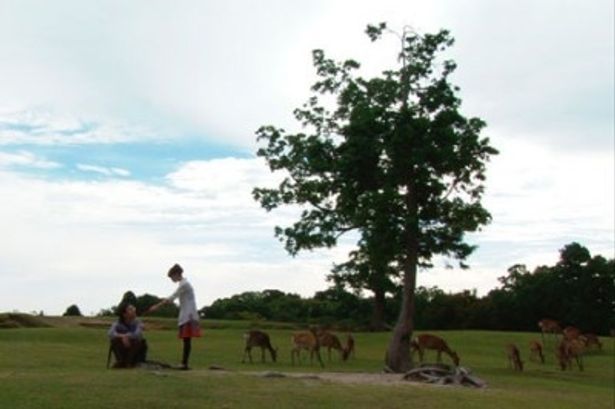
column 127, row 137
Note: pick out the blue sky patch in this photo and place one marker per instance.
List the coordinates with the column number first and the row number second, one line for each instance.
column 146, row 161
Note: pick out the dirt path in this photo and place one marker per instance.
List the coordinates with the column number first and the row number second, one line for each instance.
column 340, row 377
column 365, row 378
column 350, row 378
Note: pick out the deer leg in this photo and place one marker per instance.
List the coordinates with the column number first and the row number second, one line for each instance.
column 579, row 362
column 542, row 334
column 317, row 351
column 246, row 352
column 271, row 353
column 262, row 355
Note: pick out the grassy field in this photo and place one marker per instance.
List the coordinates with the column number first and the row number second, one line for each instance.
column 63, row 366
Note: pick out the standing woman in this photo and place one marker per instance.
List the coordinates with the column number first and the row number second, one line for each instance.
column 188, row 320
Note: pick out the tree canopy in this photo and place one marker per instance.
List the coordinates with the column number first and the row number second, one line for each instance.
column 72, row 311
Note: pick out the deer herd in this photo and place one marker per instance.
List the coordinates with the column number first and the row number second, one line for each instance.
column 311, row 341
column 570, row 347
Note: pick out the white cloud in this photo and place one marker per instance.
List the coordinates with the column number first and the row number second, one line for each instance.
column 45, row 127
column 561, row 192
column 228, row 179
column 26, row 159
column 102, row 238
column 122, row 234
column 223, row 69
column 77, row 72
column 103, row 170
column 541, row 71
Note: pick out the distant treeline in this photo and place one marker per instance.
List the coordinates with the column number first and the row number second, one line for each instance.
column 578, row 290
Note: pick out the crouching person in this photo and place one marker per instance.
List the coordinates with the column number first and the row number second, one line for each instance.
column 126, row 336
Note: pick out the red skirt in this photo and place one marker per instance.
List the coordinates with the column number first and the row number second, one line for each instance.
column 189, row 330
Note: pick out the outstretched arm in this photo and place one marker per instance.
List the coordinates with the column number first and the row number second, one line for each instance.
column 157, row 305
column 167, row 300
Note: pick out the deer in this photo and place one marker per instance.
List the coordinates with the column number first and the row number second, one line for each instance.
column 567, row 350
column 331, row 341
column 429, row 341
column 305, row 340
column 536, row 352
column 549, row 326
column 590, row 339
column 571, row 333
column 514, row 357
column 259, row 339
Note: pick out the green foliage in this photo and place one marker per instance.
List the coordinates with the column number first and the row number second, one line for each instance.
column 72, row 311
column 334, row 306
column 579, row 290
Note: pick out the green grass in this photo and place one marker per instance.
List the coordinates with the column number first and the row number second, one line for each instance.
column 64, row 367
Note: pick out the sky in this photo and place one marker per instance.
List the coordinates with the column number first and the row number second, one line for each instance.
column 127, row 138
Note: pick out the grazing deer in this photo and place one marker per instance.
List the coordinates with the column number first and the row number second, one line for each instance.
column 428, row 341
column 331, row 341
column 307, row 340
column 548, row 326
column 591, row 340
column 536, row 352
column 571, row 333
column 514, row 357
column 258, row 339
column 567, row 350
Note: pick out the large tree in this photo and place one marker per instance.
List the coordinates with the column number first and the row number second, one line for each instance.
column 394, row 160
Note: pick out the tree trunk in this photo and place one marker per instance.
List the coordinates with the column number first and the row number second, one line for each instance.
column 377, row 323
column 398, row 355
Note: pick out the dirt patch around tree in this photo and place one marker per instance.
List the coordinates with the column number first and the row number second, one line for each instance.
column 360, row 378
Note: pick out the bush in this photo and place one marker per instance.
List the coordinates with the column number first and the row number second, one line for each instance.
column 72, row 311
